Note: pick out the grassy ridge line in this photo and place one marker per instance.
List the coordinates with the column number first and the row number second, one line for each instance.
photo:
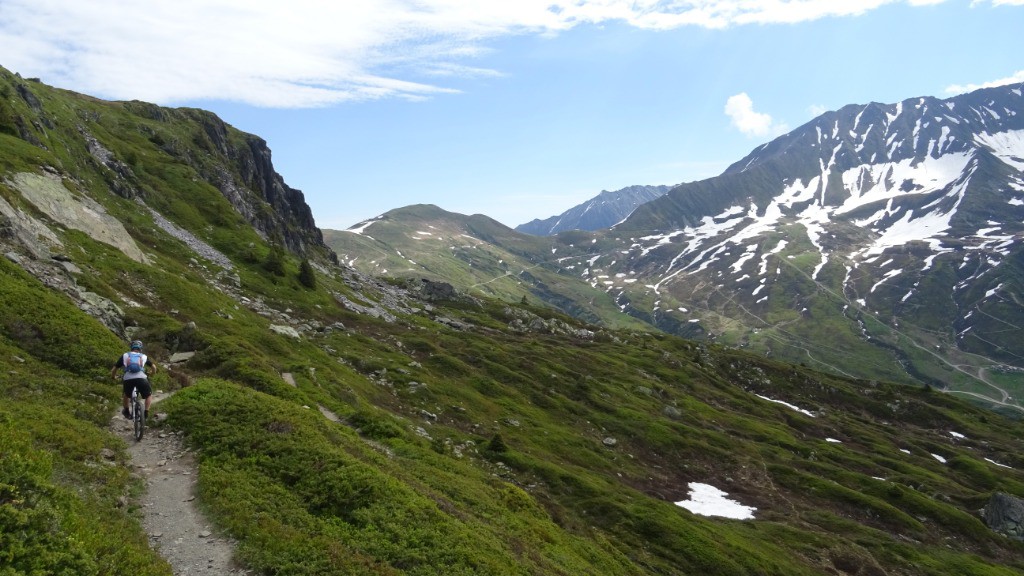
column 477, row 255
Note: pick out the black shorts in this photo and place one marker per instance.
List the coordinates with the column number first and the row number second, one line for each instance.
column 145, row 390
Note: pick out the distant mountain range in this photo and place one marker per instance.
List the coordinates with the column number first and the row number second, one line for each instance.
column 603, row 211
column 881, row 240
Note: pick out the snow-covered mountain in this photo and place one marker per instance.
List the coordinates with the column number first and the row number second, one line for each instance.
column 879, row 241
column 872, row 224
column 603, row 211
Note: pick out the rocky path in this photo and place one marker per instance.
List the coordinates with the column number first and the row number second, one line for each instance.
column 176, row 527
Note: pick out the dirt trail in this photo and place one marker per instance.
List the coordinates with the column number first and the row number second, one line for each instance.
column 170, row 516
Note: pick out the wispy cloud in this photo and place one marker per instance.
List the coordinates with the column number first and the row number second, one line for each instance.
column 740, row 109
column 307, row 53
column 1015, row 78
column 816, row 110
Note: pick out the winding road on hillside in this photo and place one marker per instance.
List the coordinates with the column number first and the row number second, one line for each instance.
column 175, row 525
column 978, row 375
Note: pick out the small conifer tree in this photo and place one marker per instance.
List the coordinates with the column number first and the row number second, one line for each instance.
column 306, row 276
column 497, row 444
column 275, row 261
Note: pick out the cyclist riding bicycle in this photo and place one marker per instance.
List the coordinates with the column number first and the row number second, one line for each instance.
column 136, row 366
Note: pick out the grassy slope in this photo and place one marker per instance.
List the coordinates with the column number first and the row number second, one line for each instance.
column 472, row 451
column 478, row 255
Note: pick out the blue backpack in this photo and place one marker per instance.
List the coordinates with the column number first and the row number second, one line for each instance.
column 134, row 362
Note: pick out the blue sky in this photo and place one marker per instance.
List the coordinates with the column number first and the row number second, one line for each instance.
column 517, row 110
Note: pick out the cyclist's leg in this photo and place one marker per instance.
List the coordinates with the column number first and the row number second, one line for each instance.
column 146, row 391
column 126, row 394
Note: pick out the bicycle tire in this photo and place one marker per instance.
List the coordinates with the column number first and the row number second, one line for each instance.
column 138, row 416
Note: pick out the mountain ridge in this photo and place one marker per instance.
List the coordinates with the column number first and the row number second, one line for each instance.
column 602, row 211
column 871, row 214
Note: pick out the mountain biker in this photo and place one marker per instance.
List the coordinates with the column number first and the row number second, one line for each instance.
column 137, row 367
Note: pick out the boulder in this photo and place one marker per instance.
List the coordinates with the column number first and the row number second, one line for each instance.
column 1005, row 515
column 436, row 291
column 284, row 330
column 178, row 357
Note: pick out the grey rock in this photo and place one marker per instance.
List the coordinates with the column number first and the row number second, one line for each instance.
column 48, row 193
column 284, row 330
column 672, row 412
column 181, row 357
column 1005, row 514
column 436, row 291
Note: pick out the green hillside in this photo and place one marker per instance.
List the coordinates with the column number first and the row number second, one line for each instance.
column 817, row 318
column 479, row 256
column 475, row 435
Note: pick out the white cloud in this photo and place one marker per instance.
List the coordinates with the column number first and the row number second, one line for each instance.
column 816, row 110
column 740, row 108
column 1015, row 78
column 306, row 53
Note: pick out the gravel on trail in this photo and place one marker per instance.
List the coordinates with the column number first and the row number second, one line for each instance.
column 176, row 527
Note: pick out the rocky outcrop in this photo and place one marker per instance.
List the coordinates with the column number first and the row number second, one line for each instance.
column 57, row 273
column 248, row 180
column 235, row 163
column 19, row 228
column 1005, row 515
column 49, row 195
column 526, row 321
column 118, row 175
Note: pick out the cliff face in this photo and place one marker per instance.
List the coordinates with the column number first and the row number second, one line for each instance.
column 251, row 170
column 130, row 144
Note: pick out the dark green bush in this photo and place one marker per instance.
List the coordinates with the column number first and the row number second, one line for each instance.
column 306, row 275
column 376, row 426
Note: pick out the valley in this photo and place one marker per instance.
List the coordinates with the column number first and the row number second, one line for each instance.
column 876, row 241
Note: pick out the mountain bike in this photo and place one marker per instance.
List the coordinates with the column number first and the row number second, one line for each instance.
column 138, row 414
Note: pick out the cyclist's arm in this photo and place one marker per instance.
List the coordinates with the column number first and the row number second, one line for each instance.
column 149, row 364
column 117, row 365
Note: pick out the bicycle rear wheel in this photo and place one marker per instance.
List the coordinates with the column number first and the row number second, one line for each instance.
column 138, row 417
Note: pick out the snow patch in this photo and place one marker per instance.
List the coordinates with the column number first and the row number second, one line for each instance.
column 707, row 500
column 997, row 463
column 362, row 226
column 1005, row 145
column 787, row 405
